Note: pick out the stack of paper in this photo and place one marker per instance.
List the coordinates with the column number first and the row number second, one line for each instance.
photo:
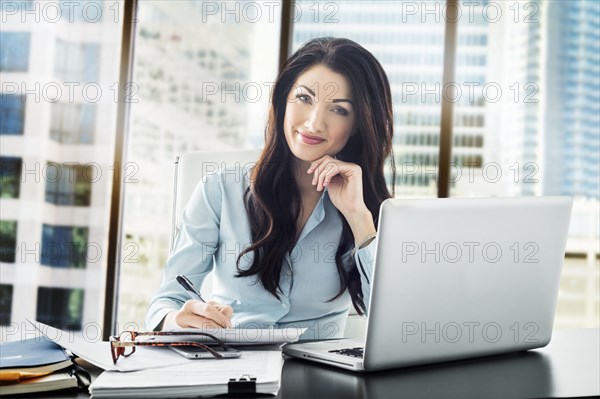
column 194, row 378
column 35, row 365
column 154, row 372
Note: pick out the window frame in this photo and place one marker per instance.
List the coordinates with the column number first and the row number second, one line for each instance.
column 285, row 43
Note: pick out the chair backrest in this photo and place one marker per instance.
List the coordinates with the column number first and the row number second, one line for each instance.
column 191, row 167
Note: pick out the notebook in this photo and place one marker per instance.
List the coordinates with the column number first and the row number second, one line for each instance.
column 30, row 358
column 37, row 365
column 65, row 379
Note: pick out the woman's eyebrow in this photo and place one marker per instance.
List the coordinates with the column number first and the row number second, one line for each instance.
column 342, row 100
column 336, row 100
column 312, row 93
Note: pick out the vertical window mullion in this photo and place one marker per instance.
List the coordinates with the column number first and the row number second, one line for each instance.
column 445, row 150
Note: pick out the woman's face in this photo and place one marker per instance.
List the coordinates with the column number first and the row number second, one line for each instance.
column 320, row 114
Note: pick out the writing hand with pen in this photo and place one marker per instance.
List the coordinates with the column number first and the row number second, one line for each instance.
column 197, row 313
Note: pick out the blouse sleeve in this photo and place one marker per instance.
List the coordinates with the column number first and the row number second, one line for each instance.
column 193, row 251
column 365, row 262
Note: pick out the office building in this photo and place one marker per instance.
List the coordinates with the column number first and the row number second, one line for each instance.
column 58, row 118
column 201, row 88
column 409, row 44
column 548, row 129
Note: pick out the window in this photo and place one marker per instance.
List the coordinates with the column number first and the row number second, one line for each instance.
column 73, row 123
column 64, row 246
column 6, row 296
column 12, row 114
column 61, row 308
column 68, row 184
column 76, row 62
column 9, row 5
column 83, row 10
column 411, row 52
column 8, row 240
column 10, row 177
column 14, row 52
column 538, row 130
column 203, row 85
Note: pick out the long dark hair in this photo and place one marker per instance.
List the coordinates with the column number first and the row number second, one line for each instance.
column 273, row 201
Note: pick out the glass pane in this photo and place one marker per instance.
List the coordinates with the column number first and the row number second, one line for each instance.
column 60, row 307
column 14, row 52
column 6, row 296
column 410, row 47
column 10, row 177
column 529, row 72
column 12, row 113
column 8, row 240
column 202, row 73
column 57, row 108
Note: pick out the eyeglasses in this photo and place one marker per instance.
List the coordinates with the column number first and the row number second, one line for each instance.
column 125, row 343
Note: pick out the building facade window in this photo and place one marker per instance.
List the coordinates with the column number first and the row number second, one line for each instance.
column 6, row 294
column 14, row 52
column 10, row 177
column 68, row 184
column 89, row 11
column 8, row 240
column 73, row 123
column 76, row 62
column 60, row 307
column 64, row 246
column 10, row 5
column 12, row 114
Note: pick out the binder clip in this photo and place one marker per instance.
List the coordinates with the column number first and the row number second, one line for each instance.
column 245, row 385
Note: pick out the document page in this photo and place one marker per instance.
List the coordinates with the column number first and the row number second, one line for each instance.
column 245, row 336
column 198, row 377
column 99, row 353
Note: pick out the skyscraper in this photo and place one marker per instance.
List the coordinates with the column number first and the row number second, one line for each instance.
column 58, row 118
column 555, row 125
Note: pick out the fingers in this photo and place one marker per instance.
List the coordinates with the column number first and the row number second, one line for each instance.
column 225, row 310
column 197, row 314
column 324, row 170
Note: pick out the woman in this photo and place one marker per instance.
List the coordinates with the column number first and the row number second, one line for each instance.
column 293, row 240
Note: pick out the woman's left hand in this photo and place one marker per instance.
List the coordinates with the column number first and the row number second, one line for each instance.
column 343, row 181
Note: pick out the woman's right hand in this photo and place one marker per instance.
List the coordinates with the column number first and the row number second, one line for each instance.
column 198, row 314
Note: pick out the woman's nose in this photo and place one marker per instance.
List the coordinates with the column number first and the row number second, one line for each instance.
column 315, row 121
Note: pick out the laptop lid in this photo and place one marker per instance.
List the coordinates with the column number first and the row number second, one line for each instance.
column 463, row 277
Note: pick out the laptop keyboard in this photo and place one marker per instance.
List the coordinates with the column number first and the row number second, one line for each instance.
column 352, row 352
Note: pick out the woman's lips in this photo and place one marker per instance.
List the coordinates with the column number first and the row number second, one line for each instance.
column 310, row 139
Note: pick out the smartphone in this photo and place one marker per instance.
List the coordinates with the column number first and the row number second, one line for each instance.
column 194, row 352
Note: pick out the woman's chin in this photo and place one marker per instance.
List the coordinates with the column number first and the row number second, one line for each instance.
column 307, row 155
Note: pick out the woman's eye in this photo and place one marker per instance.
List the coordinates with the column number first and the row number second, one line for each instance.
column 303, row 97
column 340, row 111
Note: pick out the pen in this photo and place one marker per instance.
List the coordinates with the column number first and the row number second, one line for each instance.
column 189, row 287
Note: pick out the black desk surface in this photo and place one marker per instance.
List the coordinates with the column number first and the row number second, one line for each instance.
column 568, row 367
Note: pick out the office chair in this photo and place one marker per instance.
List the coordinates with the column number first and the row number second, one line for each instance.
column 189, row 170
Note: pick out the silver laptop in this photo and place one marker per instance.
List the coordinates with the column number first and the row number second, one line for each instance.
column 457, row 278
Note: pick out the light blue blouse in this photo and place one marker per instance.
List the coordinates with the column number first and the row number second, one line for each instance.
column 214, row 230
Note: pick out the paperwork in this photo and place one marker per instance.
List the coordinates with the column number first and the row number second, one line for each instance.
column 243, row 336
column 98, row 353
column 158, row 371
column 195, row 378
